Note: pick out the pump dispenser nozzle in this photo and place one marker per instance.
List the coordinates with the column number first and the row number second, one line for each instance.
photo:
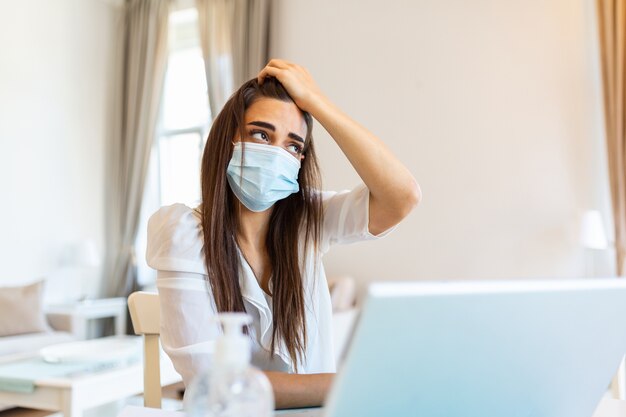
column 233, row 323
column 233, row 348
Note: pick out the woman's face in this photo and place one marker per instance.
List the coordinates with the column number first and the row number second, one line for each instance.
column 278, row 123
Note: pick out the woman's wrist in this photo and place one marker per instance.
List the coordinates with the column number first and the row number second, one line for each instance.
column 315, row 103
column 325, row 111
column 299, row 390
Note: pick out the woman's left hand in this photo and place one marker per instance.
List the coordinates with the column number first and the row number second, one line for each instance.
column 296, row 80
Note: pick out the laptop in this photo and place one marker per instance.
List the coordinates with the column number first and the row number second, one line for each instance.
column 482, row 349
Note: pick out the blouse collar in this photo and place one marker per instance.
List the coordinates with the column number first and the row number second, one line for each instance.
column 254, row 294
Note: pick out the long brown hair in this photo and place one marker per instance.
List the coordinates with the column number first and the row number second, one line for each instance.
column 293, row 218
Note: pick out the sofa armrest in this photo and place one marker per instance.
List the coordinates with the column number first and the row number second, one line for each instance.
column 343, row 323
column 342, row 292
column 60, row 322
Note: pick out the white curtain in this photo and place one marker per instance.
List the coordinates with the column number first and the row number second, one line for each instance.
column 143, row 64
column 234, row 36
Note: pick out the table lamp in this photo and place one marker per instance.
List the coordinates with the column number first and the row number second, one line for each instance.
column 592, row 238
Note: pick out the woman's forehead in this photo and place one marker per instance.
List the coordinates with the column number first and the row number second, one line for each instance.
column 284, row 115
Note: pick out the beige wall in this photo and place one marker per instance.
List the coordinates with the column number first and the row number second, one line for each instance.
column 495, row 108
column 55, row 84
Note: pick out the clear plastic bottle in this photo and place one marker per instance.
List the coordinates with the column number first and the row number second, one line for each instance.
column 232, row 387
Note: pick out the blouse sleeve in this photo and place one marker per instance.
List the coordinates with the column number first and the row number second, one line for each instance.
column 187, row 306
column 346, row 217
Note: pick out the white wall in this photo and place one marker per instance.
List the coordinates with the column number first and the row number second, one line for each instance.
column 55, row 85
column 494, row 106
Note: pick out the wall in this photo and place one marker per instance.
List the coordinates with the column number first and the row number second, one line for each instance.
column 55, row 85
column 494, row 106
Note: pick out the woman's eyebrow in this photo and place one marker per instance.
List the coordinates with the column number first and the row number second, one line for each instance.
column 264, row 124
column 296, row 137
column 271, row 127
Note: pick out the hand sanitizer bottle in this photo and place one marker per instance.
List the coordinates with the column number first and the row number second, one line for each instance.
column 231, row 387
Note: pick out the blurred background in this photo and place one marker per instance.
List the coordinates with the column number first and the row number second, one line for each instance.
column 495, row 106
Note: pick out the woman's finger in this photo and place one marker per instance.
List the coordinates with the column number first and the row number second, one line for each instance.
column 279, row 63
column 268, row 72
column 295, row 79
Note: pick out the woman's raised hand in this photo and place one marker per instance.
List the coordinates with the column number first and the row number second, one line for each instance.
column 393, row 191
column 296, row 80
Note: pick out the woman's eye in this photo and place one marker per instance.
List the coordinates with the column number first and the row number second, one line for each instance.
column 260, row 135
column 293, row 148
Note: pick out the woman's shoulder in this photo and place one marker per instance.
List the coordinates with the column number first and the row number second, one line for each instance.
column 175, row 239
column 175, row 215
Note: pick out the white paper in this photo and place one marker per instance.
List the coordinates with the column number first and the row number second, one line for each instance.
column 134, row 411
column 609, row 407
column 302, row 412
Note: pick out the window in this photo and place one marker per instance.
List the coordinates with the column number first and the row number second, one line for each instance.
column 182, row 128
column 185, row 114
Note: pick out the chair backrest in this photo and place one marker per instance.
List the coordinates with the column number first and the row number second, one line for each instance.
column 146, row 317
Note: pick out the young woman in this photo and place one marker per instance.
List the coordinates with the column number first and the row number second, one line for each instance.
column 256, row 241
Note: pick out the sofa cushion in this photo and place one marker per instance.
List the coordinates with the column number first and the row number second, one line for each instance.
column 32, row 342
column 21, row 310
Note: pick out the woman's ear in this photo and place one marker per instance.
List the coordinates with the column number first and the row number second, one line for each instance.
column 237, row 137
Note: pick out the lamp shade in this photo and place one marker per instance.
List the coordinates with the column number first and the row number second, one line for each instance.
column 592, row 234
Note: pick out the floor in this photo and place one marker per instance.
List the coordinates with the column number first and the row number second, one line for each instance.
column 172, row 400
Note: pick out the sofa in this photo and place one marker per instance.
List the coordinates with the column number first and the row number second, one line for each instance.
column 58, row 332
column 24, row 326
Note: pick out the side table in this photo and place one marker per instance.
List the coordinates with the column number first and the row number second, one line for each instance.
column 81, row 312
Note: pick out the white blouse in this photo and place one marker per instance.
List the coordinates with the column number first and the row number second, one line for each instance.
column 175, row 245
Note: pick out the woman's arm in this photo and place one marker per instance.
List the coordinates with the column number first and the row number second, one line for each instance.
column 394, row 192
column 299, row 390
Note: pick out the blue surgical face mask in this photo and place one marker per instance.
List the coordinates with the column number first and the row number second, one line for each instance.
column 263, row 176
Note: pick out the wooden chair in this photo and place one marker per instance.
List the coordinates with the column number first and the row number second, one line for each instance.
column 146, row 317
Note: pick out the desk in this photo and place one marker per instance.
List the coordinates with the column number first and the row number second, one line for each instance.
column 608, row 407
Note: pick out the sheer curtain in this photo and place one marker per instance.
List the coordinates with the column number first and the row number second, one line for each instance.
column 234, row 36
column 143, row 63
column 612, row 25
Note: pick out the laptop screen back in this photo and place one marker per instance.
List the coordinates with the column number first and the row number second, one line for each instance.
column 488, row 349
